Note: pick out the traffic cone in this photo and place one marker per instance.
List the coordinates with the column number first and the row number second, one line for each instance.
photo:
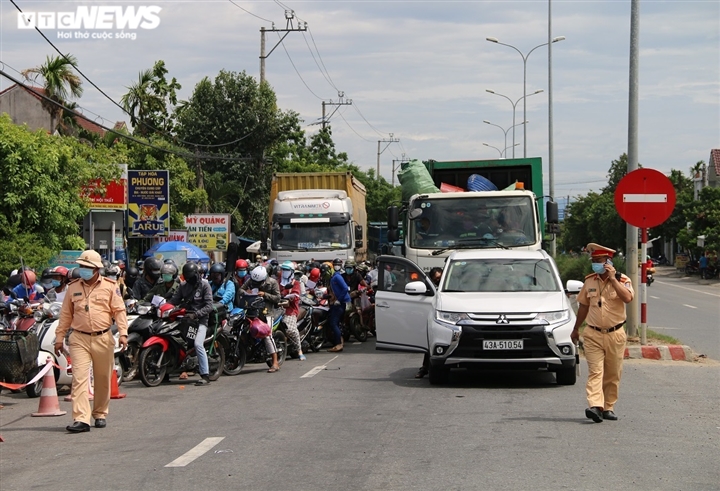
column 114, row 389
column 49, row 404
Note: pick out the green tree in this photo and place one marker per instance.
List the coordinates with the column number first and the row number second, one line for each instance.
column 59, row 81
column 703, row 217
column 150, row 99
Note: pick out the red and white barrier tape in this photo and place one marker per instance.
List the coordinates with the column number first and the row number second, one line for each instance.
column 37, row 377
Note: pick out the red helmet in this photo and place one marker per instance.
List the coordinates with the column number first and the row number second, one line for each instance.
column 241, row 264
column 60, row 271
column 29, row 277
column 314, row 275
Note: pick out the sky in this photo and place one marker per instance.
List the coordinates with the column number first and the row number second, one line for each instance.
column 420, row 70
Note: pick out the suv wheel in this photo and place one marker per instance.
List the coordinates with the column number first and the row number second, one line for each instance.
column 566, row 376
column 439, row 375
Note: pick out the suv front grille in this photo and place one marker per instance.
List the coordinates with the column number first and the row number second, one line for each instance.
column 534, row 342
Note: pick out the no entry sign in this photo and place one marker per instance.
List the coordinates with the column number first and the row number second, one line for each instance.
column 645, row 198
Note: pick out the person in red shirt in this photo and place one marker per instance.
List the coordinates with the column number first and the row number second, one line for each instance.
column 290, row 291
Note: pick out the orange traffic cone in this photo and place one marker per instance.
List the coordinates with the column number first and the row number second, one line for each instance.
column 49, row 404
column 114, row 389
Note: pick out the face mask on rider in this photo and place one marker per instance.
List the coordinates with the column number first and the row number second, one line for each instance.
column 167, row 278
column 349, row 270
column 55, row 283
column 241, row 274
column 286, row 274
column 337, row 268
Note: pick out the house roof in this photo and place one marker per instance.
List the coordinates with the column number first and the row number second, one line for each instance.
column 715, row 160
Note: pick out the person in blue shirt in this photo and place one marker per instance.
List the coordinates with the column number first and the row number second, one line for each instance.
column 339, row 298
column 28, row 288
column 703, row 264
column 223, row 291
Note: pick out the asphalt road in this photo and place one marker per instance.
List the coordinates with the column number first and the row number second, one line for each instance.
column 687, row 310
column 361, row 421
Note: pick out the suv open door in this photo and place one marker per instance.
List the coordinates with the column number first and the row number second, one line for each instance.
column 401, row 318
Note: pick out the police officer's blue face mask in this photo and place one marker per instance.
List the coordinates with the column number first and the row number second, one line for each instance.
column 86, row 273
column 598, row 268
column 55, row 283
column 349, row 270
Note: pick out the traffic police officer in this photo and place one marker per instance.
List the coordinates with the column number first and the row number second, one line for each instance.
column 602, row 302
column 89, row 308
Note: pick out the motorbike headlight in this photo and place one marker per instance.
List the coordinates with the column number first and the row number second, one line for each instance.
column 451, row 317
column 556, row 317
column 143, row 309
column 38, row 315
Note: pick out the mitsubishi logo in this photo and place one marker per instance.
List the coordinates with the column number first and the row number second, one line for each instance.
column 502, row 319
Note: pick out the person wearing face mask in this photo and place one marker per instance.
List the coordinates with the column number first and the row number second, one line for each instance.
column 196, row 295
column 90, row 306
column 167, row 285
column 56, row 280
column 223, row 291
column 339, row 298
column 151, row 274
column 290, row 290
column 602, row 302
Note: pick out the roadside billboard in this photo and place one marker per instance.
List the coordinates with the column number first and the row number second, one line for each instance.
column 112, row 196
column 174, row 236
column 210, row 232
column 148, row 203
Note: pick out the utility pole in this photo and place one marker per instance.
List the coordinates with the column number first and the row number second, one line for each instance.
column 399, row 161
column 388, row 141
column 289, row 16
column 341, row 102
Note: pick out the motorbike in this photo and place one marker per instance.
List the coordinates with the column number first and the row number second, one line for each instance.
column 171, row 348
column 243, row 348
column 142, row 323
column 46, row 321
column 311, row 324
column 19, row 315
column 649, row 278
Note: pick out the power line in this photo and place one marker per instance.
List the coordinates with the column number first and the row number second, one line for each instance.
column 296, row 70
column 327, row 77
column 353, row 129
column 168, row 135
column 247, row 11
column 368, row 122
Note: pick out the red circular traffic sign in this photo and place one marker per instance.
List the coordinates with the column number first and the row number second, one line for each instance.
column 645, row 198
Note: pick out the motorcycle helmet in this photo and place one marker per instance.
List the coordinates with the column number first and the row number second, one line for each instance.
column 112, row 271
column 258, row 276
column 45, row 279
column 74, row 273
column 216, row 273
column 337, row 264
column 29, row 277
column 350, row 266
column 151, row 268
column 288, row 265
column 60, row 271
column 168, row 272
column 131, row 275
column 314, row 275
column 241, row 267
column 191, row 273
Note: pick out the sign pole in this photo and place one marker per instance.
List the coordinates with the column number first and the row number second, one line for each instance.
column 643, row 288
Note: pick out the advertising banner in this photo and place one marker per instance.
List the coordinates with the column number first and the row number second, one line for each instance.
column 112, row 196
column 208, row 231
column 65, row 258
column 148, row 203
column 174, row 236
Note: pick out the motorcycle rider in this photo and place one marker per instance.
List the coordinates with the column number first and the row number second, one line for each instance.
column 28, row 289
column 291, row 292
column 197, row 295
column 131, row 276
column 57, row 279
column 266, row 287
column 223, row 291
column 168, row 285
column 151, row 274
column 353, row 278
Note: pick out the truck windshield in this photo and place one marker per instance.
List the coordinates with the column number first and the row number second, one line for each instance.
column 304, row 236
column 500, row 275
column 473, row 223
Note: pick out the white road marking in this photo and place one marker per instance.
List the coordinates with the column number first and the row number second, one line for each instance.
column 653, row 296
column 196, row 452
column 689, row 306
column 686, row 288
column 655, row 327
column 357, row 342
column 317, row 369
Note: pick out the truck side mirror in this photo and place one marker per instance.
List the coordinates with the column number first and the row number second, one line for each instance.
column 392, row 220
column 358, row 233
column 551, row 212
column 263, row 239
column 358, row 244
column 393, row 235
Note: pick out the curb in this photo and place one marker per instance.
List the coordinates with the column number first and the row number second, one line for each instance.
column 673, row 352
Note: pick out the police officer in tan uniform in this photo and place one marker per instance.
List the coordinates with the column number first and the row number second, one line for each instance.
column 602, row 302
column 90, row 306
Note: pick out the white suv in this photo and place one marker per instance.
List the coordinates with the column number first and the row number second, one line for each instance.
column 493, row 309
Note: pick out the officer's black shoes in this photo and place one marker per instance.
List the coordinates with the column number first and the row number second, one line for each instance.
column 610, row 415
column 204, row 380
column 595, row 414
column 78, row 427
column 100, row 423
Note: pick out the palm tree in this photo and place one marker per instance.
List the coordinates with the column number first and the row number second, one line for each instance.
column 137, row 101
column 59, row 81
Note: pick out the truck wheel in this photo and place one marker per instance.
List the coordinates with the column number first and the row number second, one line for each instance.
column 440, row 375
column 566, row 376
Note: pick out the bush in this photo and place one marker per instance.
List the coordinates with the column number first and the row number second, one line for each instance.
column 577, row 267
column 28, row 246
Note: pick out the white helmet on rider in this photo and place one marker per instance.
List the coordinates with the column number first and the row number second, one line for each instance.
column 259, row 274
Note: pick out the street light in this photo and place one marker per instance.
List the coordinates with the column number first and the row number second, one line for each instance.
column 505, row 131
column 503, row 153
column 524, row 58
column 514, row 104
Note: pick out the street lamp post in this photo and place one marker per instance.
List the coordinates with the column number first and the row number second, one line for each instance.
column 505, row 131
column 503, row 153
column 514, row 105
column 524, row 58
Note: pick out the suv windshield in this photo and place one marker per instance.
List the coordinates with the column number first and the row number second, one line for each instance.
column 500, row 275
column 480, row 222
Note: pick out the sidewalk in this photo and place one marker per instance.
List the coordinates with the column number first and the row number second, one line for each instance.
column 673, row 272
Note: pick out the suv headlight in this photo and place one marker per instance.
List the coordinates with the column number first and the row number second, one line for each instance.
column 450, row 317
column 556, row 317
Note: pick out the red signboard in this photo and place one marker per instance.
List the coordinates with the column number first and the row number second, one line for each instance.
column 114, row 197
column 645, row 198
